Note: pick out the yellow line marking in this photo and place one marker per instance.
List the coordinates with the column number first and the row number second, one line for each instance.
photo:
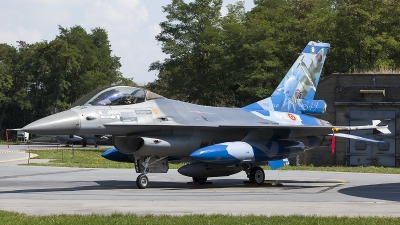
column 19, row 159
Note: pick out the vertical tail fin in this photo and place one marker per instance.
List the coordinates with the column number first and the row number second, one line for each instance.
column 296, row 91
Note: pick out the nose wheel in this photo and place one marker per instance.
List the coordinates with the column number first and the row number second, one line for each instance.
column 142, row 181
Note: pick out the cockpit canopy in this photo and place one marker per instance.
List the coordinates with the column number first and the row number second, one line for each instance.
column 117, row 95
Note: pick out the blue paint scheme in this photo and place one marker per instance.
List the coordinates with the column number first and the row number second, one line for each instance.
column 313, row 107
column 259, row 155
column 296, row 91
column 218, row 154
column 214, row 154
column 114, row 155
column 276, row 164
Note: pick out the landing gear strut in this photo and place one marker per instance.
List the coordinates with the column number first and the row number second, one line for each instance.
column 142, row 180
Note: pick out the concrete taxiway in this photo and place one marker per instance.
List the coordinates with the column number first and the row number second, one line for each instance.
column 48, row 190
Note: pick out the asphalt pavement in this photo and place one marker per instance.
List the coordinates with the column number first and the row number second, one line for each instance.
column 54, row 190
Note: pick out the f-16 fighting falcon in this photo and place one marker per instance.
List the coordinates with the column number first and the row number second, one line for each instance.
column 152, row 131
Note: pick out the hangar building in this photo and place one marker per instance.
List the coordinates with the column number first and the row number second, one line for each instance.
column 357, row 99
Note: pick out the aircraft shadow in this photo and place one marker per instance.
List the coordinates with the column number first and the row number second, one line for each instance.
column 175, row 185
column 388, row 192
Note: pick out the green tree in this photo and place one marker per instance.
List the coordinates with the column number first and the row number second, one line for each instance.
column 5, row 80
column 366, row 36
column 247, row 53
column 5, row 77
column 14, row 110
column 84, row 62
column 263, row 44
column 192, row 38
column 34, row 77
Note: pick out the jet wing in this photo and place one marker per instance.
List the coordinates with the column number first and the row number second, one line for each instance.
column 295, row 130
column 255, row 130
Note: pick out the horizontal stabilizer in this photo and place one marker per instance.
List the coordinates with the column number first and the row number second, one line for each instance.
column 356, row 137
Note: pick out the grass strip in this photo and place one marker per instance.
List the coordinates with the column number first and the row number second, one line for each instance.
column 82, row 158
column 117, row 218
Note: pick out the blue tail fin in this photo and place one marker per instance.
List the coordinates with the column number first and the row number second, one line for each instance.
column 296, row 91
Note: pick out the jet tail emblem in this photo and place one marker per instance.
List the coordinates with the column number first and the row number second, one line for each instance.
column 296, row 91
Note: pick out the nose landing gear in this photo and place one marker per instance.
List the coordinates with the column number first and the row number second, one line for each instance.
column 142, row 181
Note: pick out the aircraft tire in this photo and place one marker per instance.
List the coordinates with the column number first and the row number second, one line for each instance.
column 257, row 175
column 142, row 181
column 201, row 180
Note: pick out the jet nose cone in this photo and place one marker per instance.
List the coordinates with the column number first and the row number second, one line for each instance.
column 66, row 123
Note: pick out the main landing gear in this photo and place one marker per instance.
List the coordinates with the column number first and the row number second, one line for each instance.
column 142, row 181
column 200, row 180
column 255, row 174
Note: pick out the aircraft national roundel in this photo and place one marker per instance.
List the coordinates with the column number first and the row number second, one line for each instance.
column 291, row 116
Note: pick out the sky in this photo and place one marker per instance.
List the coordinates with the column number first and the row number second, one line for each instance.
column 131, row 25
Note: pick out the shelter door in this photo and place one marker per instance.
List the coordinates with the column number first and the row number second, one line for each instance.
column 368, row 153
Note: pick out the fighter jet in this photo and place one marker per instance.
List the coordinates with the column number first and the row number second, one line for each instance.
column 152, row 131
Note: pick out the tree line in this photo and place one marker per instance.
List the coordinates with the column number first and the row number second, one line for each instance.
column 239, row 58
column 34, row 77
column 221, row 60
